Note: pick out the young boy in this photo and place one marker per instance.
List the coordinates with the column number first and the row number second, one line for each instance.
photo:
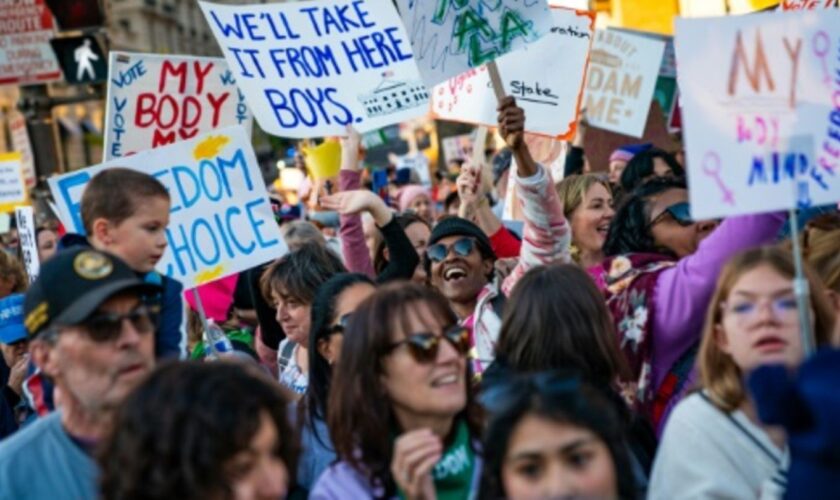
column 126, row 213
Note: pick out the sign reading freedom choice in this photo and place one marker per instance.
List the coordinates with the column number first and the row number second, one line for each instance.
column 155, row 100
column 221, row 222
column 761, row 111
column 309, row 69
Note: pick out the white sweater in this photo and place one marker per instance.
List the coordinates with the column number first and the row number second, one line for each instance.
column 707, row 453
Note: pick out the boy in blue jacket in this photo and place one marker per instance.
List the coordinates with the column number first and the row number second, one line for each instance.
column 125, row 213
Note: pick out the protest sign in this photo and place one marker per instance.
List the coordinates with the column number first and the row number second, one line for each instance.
column 309, row 69
column 221, row 221
column 28, row 242
column 164, row 99
column 551, row 97
column 25, row 53
column 622, row 76
column 452, row 37
column 21, row 144
column 807, row 4
column 760, row 99
column 13, row 192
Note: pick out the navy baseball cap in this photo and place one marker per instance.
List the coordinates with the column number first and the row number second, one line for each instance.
column 73, row 284
column 11, row 319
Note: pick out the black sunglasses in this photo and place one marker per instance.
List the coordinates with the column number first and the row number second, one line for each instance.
column 680, row 212
column 106, row 327
column 462, row 247
column 424, row 346
column 505, row 389
column 341, row 326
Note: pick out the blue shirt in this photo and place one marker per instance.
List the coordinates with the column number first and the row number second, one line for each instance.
column 42, row 461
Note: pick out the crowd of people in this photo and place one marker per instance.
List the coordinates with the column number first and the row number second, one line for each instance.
column 607, row 347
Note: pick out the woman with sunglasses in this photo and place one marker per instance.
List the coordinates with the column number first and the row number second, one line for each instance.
column 647, row 165
column 400, row 410
column 660, row 272
column 714, row 446
column 334, row 304
column 550, row 435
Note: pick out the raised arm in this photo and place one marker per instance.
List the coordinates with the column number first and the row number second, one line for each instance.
column 351, row 233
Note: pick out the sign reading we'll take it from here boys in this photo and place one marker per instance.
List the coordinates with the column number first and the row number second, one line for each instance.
column 221, row 222
column 309, row 69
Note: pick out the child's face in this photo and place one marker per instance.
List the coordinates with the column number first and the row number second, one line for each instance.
column 140, row 240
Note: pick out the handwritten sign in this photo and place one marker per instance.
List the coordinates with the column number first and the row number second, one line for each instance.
column 309, row 69
column 221, row 221
column 760, row 99
column 450, row 37
column 551, row 97
column 622, row 76
column 807, row 4
column 25, row 53
column 13, row 191
column 25, row 217
column 156, row 100
column 21, row 144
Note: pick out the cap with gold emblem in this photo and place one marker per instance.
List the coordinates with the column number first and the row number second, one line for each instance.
column 73, row 284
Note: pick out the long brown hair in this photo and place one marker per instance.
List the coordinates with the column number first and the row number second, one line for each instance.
column 556, row 318
column 360, row 415
column 719, row 374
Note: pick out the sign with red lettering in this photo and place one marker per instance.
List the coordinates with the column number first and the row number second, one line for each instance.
column 155, row 100
column 807, row 4
column 550, row 97
column 26, row 58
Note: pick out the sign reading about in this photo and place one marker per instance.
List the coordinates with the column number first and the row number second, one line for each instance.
column 25, row 54
column 551, row 97
column 13, row 191
column 450, row 37
column 155, row 100
column 25, row 217
column 308, row 69
column 622, row 76
column 220, row 223
column 760, row 98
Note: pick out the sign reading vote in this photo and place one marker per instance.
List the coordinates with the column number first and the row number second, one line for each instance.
column 155, row 100
column 622, row 77
column 760, row 99
column 450, row 37
column 308, row 69
column 220, row 223
column 551, row 97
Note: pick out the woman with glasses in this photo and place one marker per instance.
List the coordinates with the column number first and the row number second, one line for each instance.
column 551, row 435
column 401, row 414
column 334, row 304
column 661, row 269
column 714, row 446
column 647, row 165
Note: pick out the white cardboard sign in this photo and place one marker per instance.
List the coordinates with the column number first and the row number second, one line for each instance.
column 28, row 242
column 760, row 98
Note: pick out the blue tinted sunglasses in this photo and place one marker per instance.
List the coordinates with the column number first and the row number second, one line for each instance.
column 680, row 212
column 462, row 247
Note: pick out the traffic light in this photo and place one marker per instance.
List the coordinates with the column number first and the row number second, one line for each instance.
column 77, row 14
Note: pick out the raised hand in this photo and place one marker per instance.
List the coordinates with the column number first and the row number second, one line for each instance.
column 415, row 455
column 360, row 200
column 351, row 149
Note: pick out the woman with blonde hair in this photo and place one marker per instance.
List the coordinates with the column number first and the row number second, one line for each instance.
column 714, row 446
column 588, row 204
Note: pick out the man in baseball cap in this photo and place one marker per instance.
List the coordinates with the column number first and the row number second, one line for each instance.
column 92, row 334
column 14, row 346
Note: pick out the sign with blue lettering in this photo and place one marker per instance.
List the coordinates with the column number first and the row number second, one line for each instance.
column 155, row 100
column 760, row 98
column 308, row 69
column 450, row 37
column 221, row 221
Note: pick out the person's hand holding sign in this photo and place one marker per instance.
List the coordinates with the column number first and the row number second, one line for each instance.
column 351, row 150
column 512, row 128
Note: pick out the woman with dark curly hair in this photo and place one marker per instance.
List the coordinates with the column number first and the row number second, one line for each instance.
column 659, row 275
column 201, row 431
column 550, row 435
column 647, row 165
column 400, row 412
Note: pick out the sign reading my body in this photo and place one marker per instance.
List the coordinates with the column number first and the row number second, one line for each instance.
column 311, row 105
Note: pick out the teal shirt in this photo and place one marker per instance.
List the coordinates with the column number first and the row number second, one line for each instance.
column 41, row 461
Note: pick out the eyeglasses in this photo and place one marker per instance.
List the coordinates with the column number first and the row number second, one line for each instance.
column 107, row 327
column 462, row 247
column 783, row 308
column 680, row 212
column 505, row 389
column 340, row 327
column 424, row 346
